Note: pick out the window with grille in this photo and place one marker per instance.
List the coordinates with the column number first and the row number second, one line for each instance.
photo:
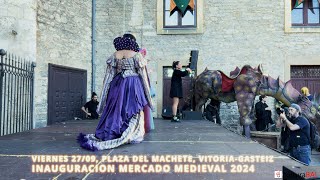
column 305, row 72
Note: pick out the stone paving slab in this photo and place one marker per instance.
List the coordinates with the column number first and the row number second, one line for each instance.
column 196, row 138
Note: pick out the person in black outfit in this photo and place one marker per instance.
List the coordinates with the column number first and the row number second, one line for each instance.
column 299, row 134
column 176, row 87
column 285, row 131
column 263, row 114
column 90, row 108
column 212, row 111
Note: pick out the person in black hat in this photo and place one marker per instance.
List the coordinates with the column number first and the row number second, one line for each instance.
column 299, row 134
column 90, row 108
column 263, row 114
column 285, row 131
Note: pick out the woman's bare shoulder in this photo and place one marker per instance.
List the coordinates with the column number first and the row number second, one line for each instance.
column 124, row 54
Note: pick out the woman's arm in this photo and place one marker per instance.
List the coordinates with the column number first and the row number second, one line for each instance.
column 140, row 60
column 109, row 75
column 182, row 73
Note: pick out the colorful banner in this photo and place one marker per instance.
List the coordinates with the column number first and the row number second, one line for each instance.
column 181, row 5
column 296, row 3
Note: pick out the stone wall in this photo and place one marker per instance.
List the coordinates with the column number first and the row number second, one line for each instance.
column 117, row 17
column 63, row 38
column 235, row 34
column 18, row 27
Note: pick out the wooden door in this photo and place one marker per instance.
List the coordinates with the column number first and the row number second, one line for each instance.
column 66, row 93
column 308, row 76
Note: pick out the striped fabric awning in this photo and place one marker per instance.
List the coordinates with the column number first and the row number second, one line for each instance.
column 181, row 5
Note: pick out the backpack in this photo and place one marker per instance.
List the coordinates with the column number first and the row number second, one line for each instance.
column 314, row 137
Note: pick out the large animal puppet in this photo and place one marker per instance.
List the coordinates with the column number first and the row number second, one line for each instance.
column 242, row 86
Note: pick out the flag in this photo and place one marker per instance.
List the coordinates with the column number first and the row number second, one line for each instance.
column 181, row 5
column 310, row 6
column 296, row 3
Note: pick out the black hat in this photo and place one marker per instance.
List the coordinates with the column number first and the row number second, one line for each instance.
column 261, row 97
column 93, row 94
column 126, row 42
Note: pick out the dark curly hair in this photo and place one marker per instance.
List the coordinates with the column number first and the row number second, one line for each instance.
column 261, row 97
column 93, row 94
column 129, row 36
column 174, row 64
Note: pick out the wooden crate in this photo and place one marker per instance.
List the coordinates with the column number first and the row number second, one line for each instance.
column 270, row 139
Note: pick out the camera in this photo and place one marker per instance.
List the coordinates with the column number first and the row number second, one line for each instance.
column 279, row 111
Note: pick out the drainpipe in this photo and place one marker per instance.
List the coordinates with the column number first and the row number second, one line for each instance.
column 93, row 50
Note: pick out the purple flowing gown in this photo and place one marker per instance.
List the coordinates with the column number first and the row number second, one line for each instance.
column 125, row 99
column 122, row 120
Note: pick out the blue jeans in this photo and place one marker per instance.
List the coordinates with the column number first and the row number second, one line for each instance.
column 302, row 153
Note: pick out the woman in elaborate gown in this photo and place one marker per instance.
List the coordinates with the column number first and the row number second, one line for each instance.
column 125, row 104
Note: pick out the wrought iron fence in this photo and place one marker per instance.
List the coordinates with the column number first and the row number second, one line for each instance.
column 16, row 94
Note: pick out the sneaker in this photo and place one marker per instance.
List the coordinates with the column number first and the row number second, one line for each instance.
column 175, row 119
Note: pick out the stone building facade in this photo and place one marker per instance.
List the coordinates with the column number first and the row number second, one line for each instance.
column 57, row 32
column 234, row 34
column 63, row 38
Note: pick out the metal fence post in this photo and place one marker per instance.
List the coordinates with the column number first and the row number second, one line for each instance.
column 33, row 65
column 2, row 53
